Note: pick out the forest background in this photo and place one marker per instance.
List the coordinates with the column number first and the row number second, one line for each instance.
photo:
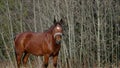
column 91, row 30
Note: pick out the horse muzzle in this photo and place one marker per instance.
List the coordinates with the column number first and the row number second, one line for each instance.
column 58, row 41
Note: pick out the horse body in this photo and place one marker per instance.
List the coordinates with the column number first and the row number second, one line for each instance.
column 40, row 44
column 30, row 42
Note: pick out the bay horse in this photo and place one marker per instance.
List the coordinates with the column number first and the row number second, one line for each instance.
column 44, row 44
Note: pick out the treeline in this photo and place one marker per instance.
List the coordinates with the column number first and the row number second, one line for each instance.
column 91, row 29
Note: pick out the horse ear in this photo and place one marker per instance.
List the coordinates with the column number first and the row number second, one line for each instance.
column 61, row 21
column 54, row 21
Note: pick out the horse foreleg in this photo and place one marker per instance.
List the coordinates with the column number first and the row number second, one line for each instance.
column 55, row 57
column 25, row 58
column 46, row 58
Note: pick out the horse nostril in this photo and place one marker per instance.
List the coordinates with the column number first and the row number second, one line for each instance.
column 63, row 34
column 58, row 42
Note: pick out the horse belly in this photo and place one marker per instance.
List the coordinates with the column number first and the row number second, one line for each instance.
column 34, row 49
column 37, row 53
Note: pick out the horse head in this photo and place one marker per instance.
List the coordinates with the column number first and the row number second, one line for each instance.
column 58, row 31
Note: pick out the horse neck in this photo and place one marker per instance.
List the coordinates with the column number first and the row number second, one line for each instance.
column 50, row 30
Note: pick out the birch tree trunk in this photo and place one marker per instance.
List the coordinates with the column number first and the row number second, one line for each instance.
column 98, row 32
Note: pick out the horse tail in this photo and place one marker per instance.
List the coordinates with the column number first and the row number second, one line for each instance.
column 14, row 38
column 14, row 45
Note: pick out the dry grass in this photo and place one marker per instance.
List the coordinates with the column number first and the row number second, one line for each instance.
column 38, row 64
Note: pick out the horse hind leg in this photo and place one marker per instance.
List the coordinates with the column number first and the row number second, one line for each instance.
column 18, row 58
column 25, row 58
